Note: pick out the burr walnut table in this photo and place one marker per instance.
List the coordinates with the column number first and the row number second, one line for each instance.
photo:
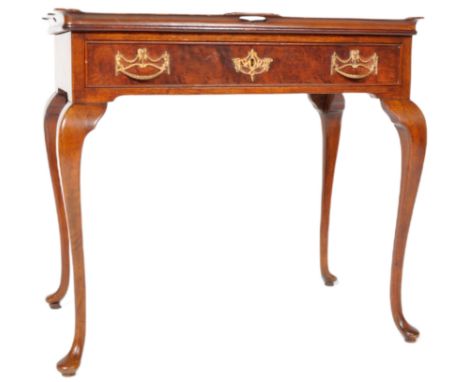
column 102, row 56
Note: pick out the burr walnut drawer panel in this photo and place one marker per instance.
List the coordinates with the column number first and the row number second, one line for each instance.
column 147, row 64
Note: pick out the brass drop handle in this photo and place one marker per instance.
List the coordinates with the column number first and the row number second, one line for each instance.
column 355, row 61
column 252, row 64
column 142, row 59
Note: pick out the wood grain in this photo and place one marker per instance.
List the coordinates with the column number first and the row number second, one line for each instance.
column 210, row 64
column 201, row 50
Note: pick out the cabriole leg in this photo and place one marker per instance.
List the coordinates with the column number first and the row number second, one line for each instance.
column 411, row 128
column 76, row 122
column 55, row 106
column 330, row 107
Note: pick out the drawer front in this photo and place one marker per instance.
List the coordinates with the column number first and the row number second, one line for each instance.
column 148, row 64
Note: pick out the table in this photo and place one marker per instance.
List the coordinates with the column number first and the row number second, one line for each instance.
column 102, row 56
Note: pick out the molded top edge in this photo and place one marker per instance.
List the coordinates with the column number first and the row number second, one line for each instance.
column 73, row 20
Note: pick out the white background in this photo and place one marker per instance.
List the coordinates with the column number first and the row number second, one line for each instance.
column 201, row 222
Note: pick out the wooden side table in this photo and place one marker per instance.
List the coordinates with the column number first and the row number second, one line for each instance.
column 102, row 56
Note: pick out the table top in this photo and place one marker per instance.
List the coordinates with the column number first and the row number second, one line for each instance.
column 66, row 20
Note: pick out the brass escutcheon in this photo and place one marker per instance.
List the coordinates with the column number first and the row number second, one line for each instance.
column 252, row 64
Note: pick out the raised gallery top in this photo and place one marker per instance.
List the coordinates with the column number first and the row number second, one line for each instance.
column 66, row 20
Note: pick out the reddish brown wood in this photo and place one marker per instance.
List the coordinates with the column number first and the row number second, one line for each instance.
column 77, row 121
column 202, row 64
column 330, row 107
column 201, row 50
column 54, row 108
column 65, row 20
column 210, row 64
column 411, row 128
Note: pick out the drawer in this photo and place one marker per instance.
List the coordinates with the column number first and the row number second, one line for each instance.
column 152, row 64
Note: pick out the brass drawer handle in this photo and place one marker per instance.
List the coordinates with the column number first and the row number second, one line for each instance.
column 252, row 64
column 354, row 61
column 142, row 60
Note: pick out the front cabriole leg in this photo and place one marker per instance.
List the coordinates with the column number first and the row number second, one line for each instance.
column 411, row 128
column 76, row 122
